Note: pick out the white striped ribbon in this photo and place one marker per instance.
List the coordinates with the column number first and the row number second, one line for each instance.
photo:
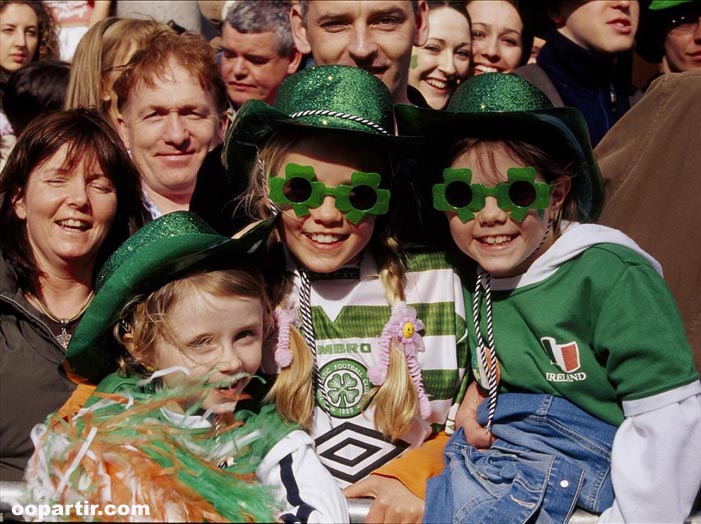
column 486, row 352
column 308, row 331
column 345, row 116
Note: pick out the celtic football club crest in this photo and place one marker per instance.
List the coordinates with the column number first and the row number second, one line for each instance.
column 345, row 382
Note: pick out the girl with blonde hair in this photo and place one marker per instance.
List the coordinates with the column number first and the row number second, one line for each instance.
column 381, row 332
column 177, row 329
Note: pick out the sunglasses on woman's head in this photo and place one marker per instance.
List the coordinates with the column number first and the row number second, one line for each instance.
column 301, row 191
column 519, row 194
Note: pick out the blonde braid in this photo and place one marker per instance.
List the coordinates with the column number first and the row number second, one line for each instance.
column 293, row 389
column 396, row 400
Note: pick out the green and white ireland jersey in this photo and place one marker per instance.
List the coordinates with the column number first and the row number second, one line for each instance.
column 591, row 321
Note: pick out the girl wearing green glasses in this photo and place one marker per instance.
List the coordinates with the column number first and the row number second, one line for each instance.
column 380, row 334
column 584, row 391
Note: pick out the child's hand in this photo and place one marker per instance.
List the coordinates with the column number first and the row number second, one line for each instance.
column 466, row 417
column 393, row 502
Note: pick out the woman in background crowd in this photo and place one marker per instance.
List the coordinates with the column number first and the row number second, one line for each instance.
column 32, row 90
column 27, row 34
column 35, row 89
column 500, row 40
column 439, row 66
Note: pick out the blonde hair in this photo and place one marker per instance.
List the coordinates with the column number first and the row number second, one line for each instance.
column 146, row 318
column 396, row 400
column 106, row 45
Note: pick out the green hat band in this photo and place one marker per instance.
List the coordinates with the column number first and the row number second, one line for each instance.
column 345, row 116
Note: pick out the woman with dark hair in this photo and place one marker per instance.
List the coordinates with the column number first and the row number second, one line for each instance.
column 439, row 66
column 35, row 89
column 69, row 195
column 27, row 34
column 501, row 40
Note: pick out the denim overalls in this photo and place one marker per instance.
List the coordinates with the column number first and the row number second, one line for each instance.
column 549, row 458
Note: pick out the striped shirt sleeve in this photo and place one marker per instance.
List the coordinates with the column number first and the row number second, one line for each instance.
column 305, row 489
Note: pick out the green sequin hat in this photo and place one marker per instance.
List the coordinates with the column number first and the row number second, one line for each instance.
column 171, row 246
column 335, row 98
column 505, row 106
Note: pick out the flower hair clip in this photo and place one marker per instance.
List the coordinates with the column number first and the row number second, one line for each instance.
column 402, row 333
column 286, row 315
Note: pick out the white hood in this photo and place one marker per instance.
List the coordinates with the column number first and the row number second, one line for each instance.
column 575, row 238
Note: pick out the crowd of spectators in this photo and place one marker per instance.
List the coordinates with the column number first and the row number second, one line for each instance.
column 139, row 98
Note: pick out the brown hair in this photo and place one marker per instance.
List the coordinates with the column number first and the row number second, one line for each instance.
column 456, row 5
column 89, row 137
column 190, row 50
column 526, row 32
column 48, row 46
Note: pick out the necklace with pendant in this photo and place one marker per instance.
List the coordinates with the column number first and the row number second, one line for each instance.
column 64, row 337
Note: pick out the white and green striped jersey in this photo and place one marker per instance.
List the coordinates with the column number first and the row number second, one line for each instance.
column 348, row 316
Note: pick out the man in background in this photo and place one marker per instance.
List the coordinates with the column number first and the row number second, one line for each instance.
column 172, row 113
column 586, row 61
column 257, row 50
column 670, row 33
column 377, row 36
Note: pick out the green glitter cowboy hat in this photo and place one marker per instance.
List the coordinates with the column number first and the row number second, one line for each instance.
column 505, row 106
column 161, row 251
column 333, row 98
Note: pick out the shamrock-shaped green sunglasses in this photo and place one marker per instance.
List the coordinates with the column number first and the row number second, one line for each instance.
column 300, row 190
column 517, row 195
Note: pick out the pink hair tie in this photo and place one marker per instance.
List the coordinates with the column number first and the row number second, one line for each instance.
column 403, row 329
column 286, row 316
